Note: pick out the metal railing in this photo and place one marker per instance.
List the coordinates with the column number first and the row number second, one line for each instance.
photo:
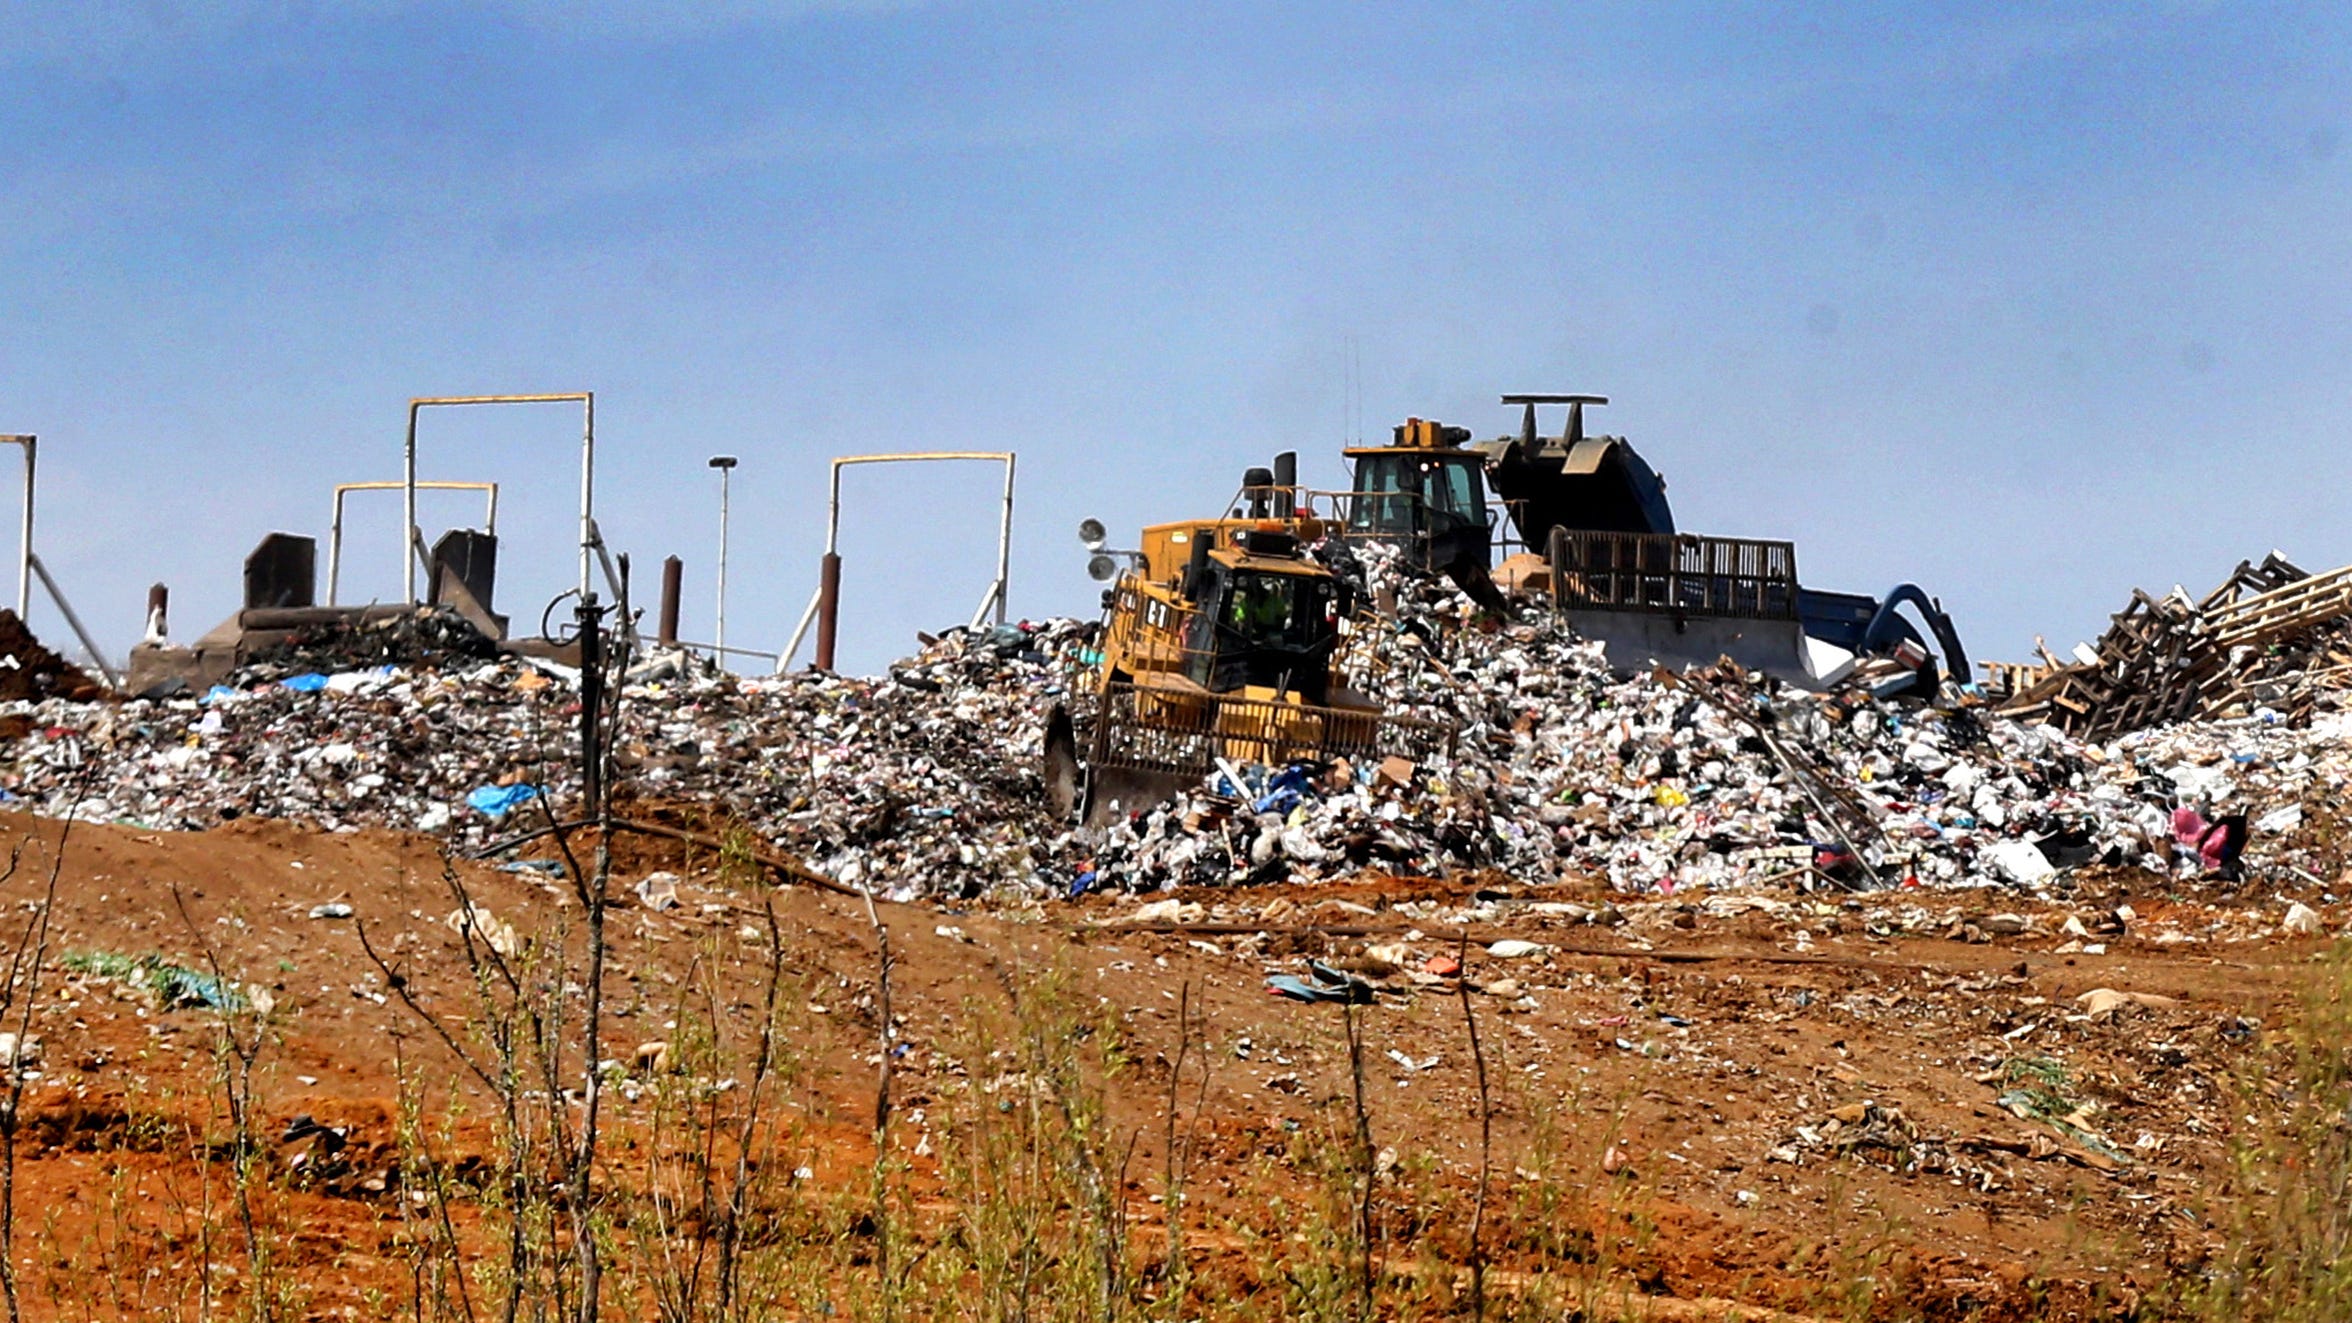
column 1678, row 574
column 719, row 650
column 1173, row 730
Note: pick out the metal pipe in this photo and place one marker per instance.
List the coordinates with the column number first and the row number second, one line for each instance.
column 725, row 464
column 24, row 555
column 65, row 608
column 416, row 542
column 833, row 509
column 980, row 613
column 828, row 609
column 587, row 401
column 800, row 631
column 613, row 579
column 719, row 629
column 335, row 526
column 408, row 514
column 1004, row 543
column 589, row 617
column 24, row 537
column 673, row 578
column 587, row 484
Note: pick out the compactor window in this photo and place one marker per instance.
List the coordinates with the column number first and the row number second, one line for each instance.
column 1387, row 486
column 1455, row 488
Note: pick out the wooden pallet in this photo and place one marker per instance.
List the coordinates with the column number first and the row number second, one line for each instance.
column 2269, row 635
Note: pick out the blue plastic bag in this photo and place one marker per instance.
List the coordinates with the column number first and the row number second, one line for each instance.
column 498, row 801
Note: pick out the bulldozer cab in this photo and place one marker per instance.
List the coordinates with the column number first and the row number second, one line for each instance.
column 1222, row 645
column 1258, row 625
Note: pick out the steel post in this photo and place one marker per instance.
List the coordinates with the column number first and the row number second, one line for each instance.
column 800, row 631
column 673, row 579
column 65, row 608
column 408, row 510
column 828, row 609
column 587, row 486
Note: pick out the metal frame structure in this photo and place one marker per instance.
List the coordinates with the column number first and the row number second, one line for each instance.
column 28, row 565
column 587, row 401
column 335, row 528
column 823, row 606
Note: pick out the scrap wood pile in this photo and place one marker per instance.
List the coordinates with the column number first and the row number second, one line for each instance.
column 2270, row 637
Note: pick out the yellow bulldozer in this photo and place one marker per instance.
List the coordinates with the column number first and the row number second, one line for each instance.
column 1224, row 644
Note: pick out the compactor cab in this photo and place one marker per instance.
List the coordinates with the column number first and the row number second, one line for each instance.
column 1427, row 493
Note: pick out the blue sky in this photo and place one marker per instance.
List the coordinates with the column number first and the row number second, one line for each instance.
column 2027, row 304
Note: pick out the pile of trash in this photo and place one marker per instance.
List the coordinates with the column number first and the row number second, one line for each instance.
column 411, row 638
column 925, row 782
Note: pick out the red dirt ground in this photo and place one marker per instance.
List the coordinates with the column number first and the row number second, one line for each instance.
column 1789, row 1100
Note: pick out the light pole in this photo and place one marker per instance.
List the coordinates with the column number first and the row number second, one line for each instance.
column 725, row 464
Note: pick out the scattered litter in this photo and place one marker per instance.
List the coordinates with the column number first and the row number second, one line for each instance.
column 170, row 986
column 658, row 891
column 498, row 801
column 2100, row 1003
column 480, row 923
column 1322, row 984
